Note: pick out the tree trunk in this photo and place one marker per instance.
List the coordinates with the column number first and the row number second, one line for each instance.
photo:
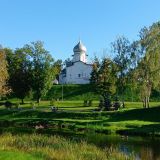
column 38, row 100
column 107, row 102
column 123, row 105
column 132, row 94
column 22, row 101
column 143, row 101
column 147, row 102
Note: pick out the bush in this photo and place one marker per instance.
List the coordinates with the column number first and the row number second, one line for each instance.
column 17, row 105
column 33, row 105
column 8, row 104
column 52, row 102
column 117, row 103
column 85, row 103
column 90, row 102
column 101, row 104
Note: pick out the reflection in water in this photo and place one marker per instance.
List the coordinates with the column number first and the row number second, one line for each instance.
column 144, row 148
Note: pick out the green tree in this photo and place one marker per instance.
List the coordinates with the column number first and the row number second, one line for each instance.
column 57, row 67
column 19, row 69
column 135, row 57
column 121, row 49
column 106, row 81
column 42, row 68
column 95, row 69
column 149, row 67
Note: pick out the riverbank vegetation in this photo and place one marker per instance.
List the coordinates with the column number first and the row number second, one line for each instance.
column 40, row 147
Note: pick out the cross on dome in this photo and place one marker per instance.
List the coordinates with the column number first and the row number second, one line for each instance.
column 80, row 47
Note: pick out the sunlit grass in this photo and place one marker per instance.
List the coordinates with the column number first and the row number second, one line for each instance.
column 54, row 148
column 133, row 118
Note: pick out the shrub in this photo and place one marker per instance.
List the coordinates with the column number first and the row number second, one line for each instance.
column 90, row 102
column 33, row 105
column 52, row 102
column 8, row 104
column 116, row 104
column 85, row 103
column 17, row 105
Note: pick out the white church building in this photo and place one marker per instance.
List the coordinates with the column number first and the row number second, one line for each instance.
column 77, row 71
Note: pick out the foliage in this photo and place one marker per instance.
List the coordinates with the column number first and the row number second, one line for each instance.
column 137, row 67
column 8, row 104
column 149, row 67
column 52, row 102
column 19, row 69
column 3, row 74
column 57, row 66
column 95, row 69
column 42, row 68
column 105, row 81
column 121, row 49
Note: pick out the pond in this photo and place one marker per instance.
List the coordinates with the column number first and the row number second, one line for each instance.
column 144, row 148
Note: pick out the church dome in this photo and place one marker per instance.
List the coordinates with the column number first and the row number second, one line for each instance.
column 79, row 47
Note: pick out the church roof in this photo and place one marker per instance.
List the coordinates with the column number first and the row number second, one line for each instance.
column 79, row 47
column 80, row 62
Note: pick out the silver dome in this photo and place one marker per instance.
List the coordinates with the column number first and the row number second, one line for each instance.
column 79, row 47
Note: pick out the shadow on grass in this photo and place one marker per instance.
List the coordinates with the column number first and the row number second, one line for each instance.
column 50, row 115
column 145, row 130
column 150, row 114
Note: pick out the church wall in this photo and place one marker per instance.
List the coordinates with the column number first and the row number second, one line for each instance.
column 79, row 73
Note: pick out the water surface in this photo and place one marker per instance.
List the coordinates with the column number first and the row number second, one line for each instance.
column 144, row 148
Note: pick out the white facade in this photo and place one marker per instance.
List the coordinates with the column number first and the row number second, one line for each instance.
column 77, row 71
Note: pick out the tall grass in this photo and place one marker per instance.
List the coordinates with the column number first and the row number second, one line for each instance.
column 57, row 148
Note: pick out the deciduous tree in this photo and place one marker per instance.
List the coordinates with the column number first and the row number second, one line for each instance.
column 121, row 49
column 149, row 67
column 19, row 69
column 42, row 68
column 3, row 73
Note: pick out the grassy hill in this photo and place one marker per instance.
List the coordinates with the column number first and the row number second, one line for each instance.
column 72, row 92
column 87, row 91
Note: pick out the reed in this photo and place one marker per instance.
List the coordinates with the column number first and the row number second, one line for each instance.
column 56, row 148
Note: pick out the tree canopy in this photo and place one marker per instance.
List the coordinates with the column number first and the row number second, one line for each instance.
column 42, row 71
column 137, row 65
column 3, row 74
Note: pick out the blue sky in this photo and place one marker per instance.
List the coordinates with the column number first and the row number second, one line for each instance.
column 60, row 23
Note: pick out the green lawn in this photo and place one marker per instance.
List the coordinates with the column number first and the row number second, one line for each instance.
column 73, row 116
column 16, row 155
column 72, row 119
column 77, row 105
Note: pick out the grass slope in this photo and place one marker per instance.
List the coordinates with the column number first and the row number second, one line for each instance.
column 72, row 92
